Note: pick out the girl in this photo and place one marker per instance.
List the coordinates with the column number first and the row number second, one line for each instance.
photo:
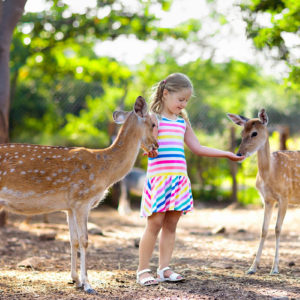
column 167, row 191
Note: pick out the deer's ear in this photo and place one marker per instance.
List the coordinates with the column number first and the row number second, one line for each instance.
column 120, row 116
column 263, row 116
column 237, row 119
column 140, row 107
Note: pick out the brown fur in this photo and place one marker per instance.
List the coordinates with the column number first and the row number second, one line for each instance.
column 37, row 179
column 278, row 177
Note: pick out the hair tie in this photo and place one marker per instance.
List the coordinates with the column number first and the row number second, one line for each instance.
column 164, row 81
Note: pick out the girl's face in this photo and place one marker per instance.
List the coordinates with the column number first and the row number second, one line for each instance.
column 175, row 102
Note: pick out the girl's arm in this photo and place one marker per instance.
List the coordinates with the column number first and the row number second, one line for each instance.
column 192, row 142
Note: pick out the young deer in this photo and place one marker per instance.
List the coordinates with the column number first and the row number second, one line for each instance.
column 38, row 179
column 278, row 177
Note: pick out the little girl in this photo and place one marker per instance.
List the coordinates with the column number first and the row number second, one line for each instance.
column 167, row 191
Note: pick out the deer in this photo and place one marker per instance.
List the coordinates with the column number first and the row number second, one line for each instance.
column 277, row 181
column 37, row 179
column 133, row 182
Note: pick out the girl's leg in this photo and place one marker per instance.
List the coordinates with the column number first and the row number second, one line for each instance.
column 147, row 242
column 167, row 240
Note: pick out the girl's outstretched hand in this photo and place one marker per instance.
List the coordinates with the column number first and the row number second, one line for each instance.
column 235, row 157
column 151, row 154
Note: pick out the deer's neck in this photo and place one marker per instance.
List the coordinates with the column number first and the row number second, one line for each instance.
column 264, row 160
column 118, row 159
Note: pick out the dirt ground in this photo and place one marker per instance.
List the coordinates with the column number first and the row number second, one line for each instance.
column 213, row 264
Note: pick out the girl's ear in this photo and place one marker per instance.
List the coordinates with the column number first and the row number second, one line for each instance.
column 165, row 93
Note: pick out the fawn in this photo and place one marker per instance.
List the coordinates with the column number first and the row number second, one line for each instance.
column 37, row 179
column 278, row 177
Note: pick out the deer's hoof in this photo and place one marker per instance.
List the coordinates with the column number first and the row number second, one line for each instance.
column 250, row 272
column 274, row 272
column 91, row 291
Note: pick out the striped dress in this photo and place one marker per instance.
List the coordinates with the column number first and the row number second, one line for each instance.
column 167, row 186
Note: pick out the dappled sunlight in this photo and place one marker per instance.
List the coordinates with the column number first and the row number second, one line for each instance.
column 213, row 263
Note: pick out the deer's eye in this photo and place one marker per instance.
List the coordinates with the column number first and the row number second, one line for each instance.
column 254, row 134
column 153, row 125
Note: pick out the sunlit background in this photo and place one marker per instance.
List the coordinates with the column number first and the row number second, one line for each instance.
column 74, row 62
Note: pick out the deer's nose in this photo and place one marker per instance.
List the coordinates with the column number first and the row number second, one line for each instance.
column 239, row 154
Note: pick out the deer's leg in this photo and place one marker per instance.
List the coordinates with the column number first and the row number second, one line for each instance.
column 74, row 248
column 124, row 205
column 81, row 217
column 268, row 207
column 282, row 207
column 45, row 218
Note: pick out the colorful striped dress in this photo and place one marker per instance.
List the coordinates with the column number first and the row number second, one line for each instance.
column 167, row 186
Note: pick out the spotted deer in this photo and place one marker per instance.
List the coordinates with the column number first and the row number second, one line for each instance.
column 278, row 177
column 37, row 179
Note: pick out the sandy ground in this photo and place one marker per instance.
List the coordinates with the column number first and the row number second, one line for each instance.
column 214, row 264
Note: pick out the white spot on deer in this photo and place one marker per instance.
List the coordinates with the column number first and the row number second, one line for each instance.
column 74, row 185
column 23, row 155
column 31, row 158
column 23, row 173
column 12, row 146
column 4, row 173
column 12, row 170
column 42, row 172
column 20, row 162
column 48, row 178
column 92, row 176
column 54, row 174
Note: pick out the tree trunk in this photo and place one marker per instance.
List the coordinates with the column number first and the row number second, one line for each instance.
column 10, row 13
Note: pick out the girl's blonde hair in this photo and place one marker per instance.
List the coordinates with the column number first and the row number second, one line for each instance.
column 173, row 83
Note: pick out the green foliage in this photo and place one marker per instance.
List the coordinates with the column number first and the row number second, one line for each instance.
column 64, row 94
column 284, row 19
column 248, row 196
column 90, row 127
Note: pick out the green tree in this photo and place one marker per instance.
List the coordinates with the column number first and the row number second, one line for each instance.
column 54, row 67
column 10, row 13
column 284, row 19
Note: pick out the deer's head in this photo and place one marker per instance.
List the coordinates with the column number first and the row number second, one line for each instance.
column 140, row 120
column 254, row 134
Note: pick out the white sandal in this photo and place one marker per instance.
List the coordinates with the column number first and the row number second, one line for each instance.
column 150, row 280
column 173, row 277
